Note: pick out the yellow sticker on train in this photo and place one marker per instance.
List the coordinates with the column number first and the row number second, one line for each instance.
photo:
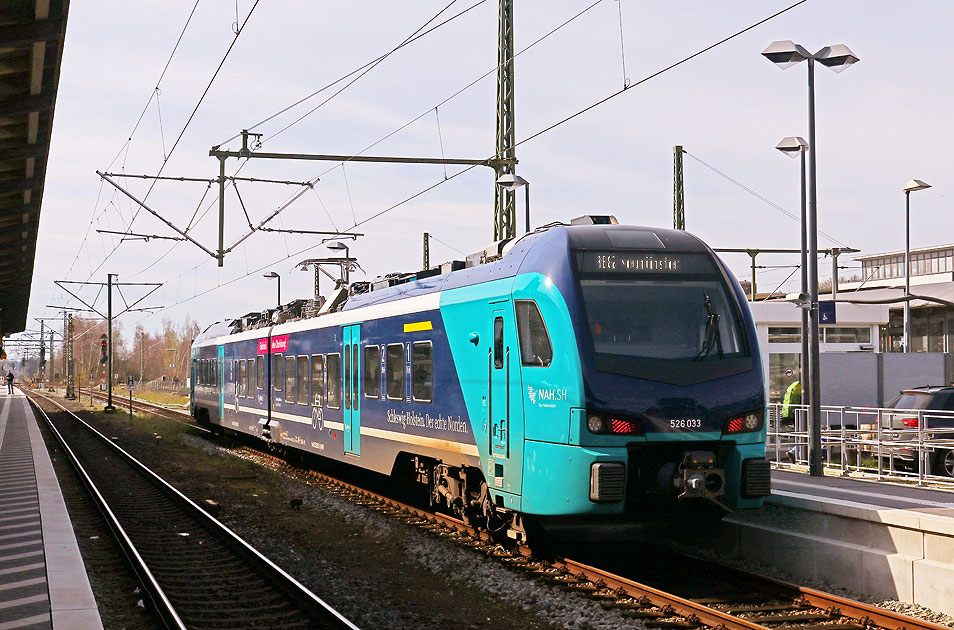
column 418, row 326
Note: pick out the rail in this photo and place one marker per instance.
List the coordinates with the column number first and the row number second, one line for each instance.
column 780, row 604
column 907, row 445
column 756, row 603
column 171, row 590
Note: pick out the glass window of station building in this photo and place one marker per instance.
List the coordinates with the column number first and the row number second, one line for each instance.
column 931, row 274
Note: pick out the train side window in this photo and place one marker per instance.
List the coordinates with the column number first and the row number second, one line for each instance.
column 372, row 371
column 347, row 379
column 334, row 381
column 422, row 371
column 290, row 379
column 243, row 375
column 252, row 378
column 535, row 348
column 394, row 370
column 260, row 372
column 278, row 371
column 304, row 378
column 498, row 343
column 317, row 379
column 205, row 365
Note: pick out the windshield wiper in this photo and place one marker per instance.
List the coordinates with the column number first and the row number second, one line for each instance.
column 713, row 336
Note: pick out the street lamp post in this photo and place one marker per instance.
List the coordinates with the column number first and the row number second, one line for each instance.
column 914, row 184
column 786, row 54
column 272, row 274
column 792, row 146
column 511, row 182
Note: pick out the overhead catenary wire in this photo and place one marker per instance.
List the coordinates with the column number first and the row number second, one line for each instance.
column 368, row 69
column 286, row 203
column 185, row 126
column 355, row 71
column 413, row 37
column 758, row 196
column 523, row 141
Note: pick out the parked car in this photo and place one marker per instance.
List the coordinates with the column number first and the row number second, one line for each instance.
column 917, row 407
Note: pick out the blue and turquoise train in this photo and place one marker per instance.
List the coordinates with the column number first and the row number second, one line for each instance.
column 590, row 374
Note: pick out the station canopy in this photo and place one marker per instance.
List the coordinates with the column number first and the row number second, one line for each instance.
column 31, row 48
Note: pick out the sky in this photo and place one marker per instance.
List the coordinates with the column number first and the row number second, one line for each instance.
column 133, row 101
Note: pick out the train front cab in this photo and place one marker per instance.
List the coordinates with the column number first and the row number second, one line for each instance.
column 604, row 438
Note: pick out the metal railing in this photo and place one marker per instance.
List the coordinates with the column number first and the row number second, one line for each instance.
column 911, row 445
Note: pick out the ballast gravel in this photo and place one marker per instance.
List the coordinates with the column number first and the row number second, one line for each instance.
column 376, row 570
column 466, row 569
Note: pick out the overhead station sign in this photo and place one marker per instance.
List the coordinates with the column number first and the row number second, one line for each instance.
column 644, row 262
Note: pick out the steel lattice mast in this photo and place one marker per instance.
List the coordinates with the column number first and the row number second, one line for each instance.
column 504, row 199
column 68, row 358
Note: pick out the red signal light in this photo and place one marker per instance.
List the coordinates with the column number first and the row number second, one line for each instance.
column 620, row 426
column 735, row 425
column 910, row 422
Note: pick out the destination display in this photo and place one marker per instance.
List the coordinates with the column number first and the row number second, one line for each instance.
column 644, row 262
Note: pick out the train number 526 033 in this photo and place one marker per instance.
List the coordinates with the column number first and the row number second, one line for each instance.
column 686, row 423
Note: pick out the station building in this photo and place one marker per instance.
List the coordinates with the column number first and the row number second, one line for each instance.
column 932, row 276
column 869, row 316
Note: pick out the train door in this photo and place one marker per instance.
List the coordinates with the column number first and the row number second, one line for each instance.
column 505, row 405
column 352, row 389
column 220, row 384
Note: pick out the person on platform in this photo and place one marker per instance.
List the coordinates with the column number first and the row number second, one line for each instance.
column 793, row 398
column 9, row 378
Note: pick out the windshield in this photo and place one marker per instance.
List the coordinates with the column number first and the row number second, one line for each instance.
column 674, row 320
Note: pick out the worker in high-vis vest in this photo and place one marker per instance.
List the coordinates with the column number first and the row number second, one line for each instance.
column 793, row 398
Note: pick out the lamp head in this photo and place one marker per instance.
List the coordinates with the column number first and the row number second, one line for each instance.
column 915, row 184
column 511, row 181
column 785, row 53
column 270, row 274
column 792, row 145
column 337, row 245
column 837, row 57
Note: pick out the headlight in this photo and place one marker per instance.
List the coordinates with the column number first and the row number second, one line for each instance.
column 595, row 424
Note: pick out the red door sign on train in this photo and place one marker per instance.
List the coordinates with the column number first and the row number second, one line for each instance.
column 279, row 344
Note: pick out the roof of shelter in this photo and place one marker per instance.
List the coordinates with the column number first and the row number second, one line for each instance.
column 31, row 48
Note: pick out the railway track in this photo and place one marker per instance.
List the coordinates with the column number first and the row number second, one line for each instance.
column 197, row 573
column 144, row 406
column 727, row 599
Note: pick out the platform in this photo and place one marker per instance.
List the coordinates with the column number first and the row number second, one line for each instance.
column 43, row 582
column 878, row 539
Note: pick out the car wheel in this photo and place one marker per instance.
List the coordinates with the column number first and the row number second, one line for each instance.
column 944, row 463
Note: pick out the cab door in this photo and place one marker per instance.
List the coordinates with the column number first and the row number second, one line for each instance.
column 352, row 389
column 505, row 404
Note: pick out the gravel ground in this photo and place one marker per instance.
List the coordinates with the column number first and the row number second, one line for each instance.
column 376, row 570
